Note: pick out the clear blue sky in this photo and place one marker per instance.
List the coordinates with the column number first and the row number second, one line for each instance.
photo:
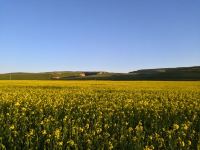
column 110, row 35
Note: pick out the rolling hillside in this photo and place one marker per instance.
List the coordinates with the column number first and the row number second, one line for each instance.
column 181, row 73
column 174, row 74
column 38, row 76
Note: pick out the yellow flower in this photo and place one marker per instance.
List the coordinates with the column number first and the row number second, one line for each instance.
column 48, row 140
column 17, row 104
column 42, row 122
column 71, row 142
column 44, row 132
column 130, row 129
column 139, row 127
column 87, row 126
column 106, row 126
column 23, row 109
column 182, row 143
column 31, row 132
column 57, row 133
column 110, row 145
column 175, row 126
column 81, row 129
column 12, row 127
column 99, row 130
column 185, row 127
column 89, row 141
column 60, row 143
column 134, row 139
column 149, row 147
column 150, row 137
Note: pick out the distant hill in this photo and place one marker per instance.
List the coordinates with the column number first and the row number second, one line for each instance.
column 38, row 76
column 178, row 69
column 180, row 73
column 56, row 75
column 174, row 74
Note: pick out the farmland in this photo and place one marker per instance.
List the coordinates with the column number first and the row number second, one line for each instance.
column 99, row 115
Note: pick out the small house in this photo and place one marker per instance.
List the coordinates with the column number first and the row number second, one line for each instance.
column 82, row 74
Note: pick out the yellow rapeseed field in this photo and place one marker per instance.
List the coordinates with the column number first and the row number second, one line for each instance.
column 99, row 115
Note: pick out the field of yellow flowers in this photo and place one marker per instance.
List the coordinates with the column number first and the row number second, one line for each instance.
column 99, row 115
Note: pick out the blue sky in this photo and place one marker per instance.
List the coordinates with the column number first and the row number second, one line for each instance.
column 110, row 35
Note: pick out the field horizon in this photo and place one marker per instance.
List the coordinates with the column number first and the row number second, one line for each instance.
column 178, row 73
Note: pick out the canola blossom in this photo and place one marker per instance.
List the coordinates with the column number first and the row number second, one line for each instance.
column 140, row 115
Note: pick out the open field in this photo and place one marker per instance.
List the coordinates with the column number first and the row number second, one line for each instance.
column 99, row 115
